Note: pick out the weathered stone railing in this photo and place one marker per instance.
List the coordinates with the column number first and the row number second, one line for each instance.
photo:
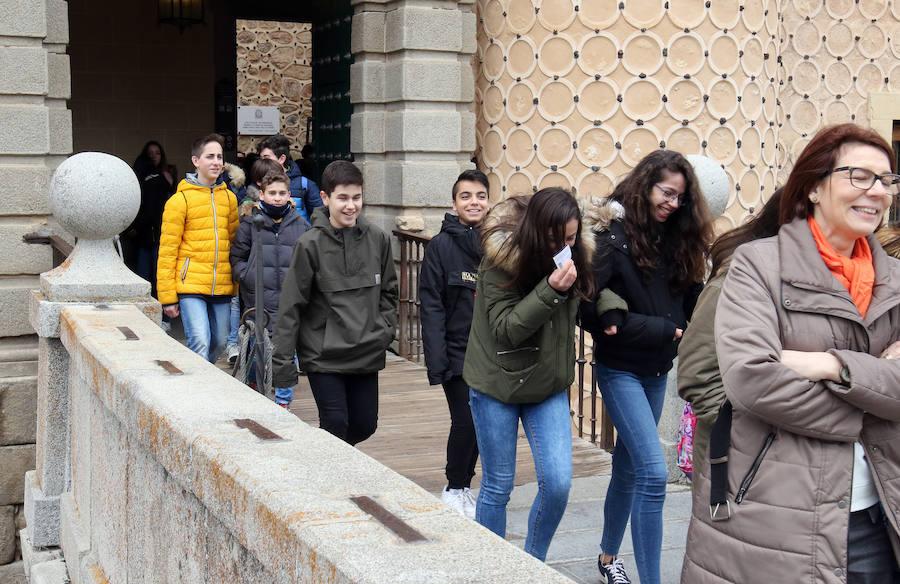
column 165, row 485
column 153, row 465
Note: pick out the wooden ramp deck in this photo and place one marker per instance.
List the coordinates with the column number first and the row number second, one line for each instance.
column 413, row 423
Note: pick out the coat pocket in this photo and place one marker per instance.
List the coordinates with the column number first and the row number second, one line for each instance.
column 517, row 367
column 754, row 468
column 513, row 360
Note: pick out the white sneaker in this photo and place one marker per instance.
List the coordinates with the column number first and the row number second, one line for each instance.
column 232, row 351
column 456, row 498
column 470, row 503
column 165, row 325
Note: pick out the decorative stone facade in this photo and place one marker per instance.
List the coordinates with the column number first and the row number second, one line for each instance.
column 273, row 68
column 574, row 93
column 835, row 55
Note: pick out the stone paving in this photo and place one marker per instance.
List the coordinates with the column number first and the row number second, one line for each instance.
column 577, row 541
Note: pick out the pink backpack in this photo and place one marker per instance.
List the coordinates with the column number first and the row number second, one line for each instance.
column 684, row 446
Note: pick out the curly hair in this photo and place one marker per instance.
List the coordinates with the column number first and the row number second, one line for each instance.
column 683, row 239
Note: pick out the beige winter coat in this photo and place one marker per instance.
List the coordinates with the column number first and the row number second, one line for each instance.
column 792, row 523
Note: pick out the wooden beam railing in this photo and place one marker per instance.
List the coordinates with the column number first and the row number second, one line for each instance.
column 589, row 416
column 412, row 250
column 61, row 247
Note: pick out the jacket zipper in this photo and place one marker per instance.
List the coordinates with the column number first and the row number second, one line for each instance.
column 212, row 198
column 511, row 351
column 751, row 474
column 184, row 269
column 277, row 261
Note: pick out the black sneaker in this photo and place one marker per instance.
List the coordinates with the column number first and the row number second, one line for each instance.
column 613, row 572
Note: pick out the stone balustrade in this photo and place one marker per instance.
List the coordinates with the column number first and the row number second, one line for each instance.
column 166, row 486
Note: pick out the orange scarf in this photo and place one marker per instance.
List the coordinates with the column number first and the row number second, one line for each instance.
column 856, row 273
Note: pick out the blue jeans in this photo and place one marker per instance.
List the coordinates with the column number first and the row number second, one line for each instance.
column 205, row 325
column 284, row 395
column 234, row 320
column 547, row 428
column 638, row 483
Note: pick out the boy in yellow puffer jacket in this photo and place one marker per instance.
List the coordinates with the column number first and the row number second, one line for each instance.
column 193, row 271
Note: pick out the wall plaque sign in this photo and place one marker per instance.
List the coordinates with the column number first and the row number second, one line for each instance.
column 257, row 120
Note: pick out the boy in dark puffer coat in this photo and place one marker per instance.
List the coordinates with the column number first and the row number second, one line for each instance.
column 282, row 228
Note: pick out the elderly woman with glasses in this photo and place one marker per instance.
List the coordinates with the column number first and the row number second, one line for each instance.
column 652, row 235
column 807, row 328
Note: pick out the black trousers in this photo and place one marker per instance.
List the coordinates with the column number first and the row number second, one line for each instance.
column 870, row 558
column 348, row 404
column 462, row 447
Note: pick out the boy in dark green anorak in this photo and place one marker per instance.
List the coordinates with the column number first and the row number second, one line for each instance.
column 338, row 309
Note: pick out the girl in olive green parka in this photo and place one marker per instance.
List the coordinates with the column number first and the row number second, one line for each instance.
column 521, row 353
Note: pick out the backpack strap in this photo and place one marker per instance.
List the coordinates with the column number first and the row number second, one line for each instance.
column 719, row 444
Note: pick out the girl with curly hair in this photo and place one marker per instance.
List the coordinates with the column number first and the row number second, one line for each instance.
column 652, row 238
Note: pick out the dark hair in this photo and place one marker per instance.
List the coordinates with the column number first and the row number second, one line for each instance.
column 818, row 159
column 261, row 168
column 200, row 143
column 683, row 239
column 308, row 151
column 474, row 175
column 278, row 144
column 246, row 163
column 530, row 219
column 144, row 155
column 340, row 172
column 274, row 177
column 763, row 224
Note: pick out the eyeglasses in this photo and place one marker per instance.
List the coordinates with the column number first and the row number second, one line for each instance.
column 671, row 196
column 864, row 179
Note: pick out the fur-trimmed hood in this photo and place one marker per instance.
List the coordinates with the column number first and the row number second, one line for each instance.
column 598, row 213
column 236, row 175
column 509, row 213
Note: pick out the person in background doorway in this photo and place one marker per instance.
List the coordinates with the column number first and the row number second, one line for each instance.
column 446, row 296
column 308, row 164
column 304, row 191
column 140, row 241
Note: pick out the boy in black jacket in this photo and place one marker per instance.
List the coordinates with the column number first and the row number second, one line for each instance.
column 447, row 295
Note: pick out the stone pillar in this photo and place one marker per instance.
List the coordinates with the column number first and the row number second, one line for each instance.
column 35, row 135
column 94, row 196
column 412, row 85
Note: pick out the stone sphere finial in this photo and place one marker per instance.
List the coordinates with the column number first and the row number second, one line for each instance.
column 94, row 195
column 714, row 183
